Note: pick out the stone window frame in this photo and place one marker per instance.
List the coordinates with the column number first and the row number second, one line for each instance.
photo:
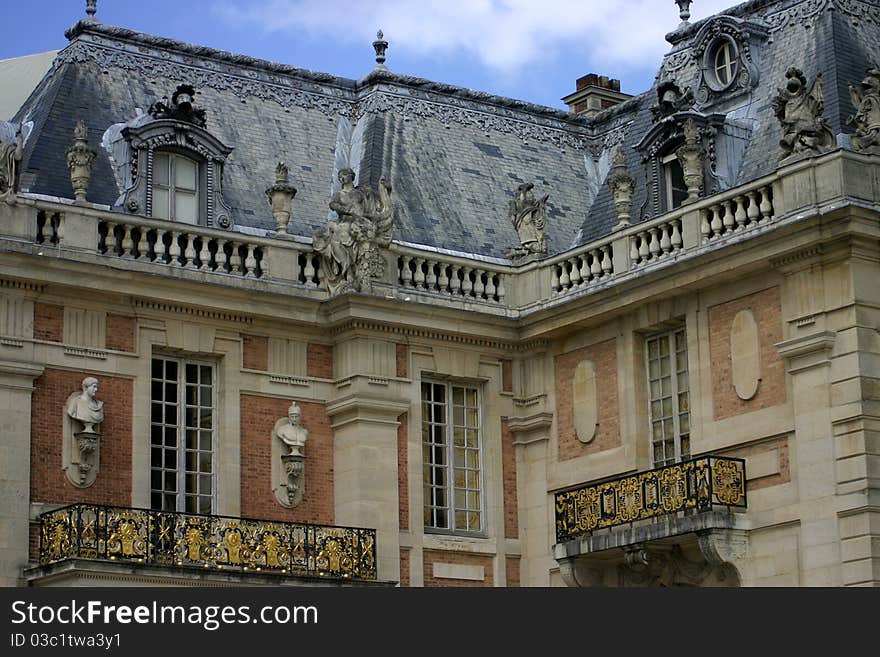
column 449, row 467
column 745, row 39
column 180, row 466
column 181, row 138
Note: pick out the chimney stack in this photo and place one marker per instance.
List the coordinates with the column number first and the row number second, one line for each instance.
column 593, row 94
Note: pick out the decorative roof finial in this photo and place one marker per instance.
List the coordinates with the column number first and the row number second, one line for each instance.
column 380, row 45
column 684, row 10
column 91, row 8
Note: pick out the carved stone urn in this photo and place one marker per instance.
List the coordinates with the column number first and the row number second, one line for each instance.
column 622, row 187
column 80, row 159
column 281, row 197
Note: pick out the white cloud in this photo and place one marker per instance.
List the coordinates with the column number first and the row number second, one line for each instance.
column 503, row 35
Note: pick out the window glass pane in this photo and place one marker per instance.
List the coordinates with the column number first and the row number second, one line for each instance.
column 184, row 173
column 161, row 203
column 161, row 163
column 185, row 207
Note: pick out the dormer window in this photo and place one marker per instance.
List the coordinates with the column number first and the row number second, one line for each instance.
column 175, row 165
column 725, row 62
column 175, row 188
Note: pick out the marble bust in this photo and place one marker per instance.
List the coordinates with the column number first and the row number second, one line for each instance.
column 86, row 408
column 291, row 433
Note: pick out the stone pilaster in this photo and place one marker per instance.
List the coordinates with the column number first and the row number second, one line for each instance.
column 16, row 386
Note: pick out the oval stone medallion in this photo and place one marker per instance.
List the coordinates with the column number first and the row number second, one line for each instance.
column 745, row 354
column 585, row 401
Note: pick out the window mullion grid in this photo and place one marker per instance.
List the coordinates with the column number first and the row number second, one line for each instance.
column 181, row 437
column 450, row 460
column 673, row 388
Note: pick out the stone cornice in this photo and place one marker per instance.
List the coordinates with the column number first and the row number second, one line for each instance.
column 191, row 310
column 21, row 285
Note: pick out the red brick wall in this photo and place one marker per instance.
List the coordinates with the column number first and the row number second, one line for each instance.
column 255, row 352
column 48, row 322
column 766, row 306
column 463, row 558
column 402, row 365
column 319, row 360
column 402, row 472
column 258, row 417
column 404, row 567
column 604, row 356
column 507, row 376
column 512, row 572
column 48, row 481
column 121, row 333
column 781, row 447
column 508, row 465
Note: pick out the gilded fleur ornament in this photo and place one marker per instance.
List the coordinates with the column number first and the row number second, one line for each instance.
column 80, row 159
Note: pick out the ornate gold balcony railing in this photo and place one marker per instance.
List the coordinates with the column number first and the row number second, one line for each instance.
column 698, row 484
column 220, row 543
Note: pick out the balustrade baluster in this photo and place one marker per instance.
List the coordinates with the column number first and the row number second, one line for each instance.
column 127, row 244
column 740, row 217
column 430, row 277
column 716, row 224
column 554, row 278
column 643, row 247
column 479, row 286
column 467, row 285
column 565, row 278
column 665, row 242
column 405, row 272
column 443, row 279
column 490, row 286
column 500, row 292
column 419, row 277
column 159, row 247
column 174, row 250
column 221, row 256
column 189, row 254
column 607, row 263
column 455, row 281
column 205, row 255
column 705, row 227
column 310, row 272
column 110, row 239
column 633, row 250
column 655, row 243
column 250, row 261
column 235, row 259
column 766, row 204
column 754, row 214
column 676, row 235
column 595, row 264
column 576, row 276
column 729, row 221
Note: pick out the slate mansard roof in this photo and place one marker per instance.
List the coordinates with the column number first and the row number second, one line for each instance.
column 454, row 156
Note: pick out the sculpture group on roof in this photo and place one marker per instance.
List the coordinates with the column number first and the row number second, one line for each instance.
column 866, row 120
column 799, row 110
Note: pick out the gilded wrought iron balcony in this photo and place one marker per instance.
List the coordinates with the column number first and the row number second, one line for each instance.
column 696, row 485
column 220, row 543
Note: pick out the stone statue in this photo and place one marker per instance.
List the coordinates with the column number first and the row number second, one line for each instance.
column 866, row 120
column 11, row 145
column 291, row 433
column 799, row 110
column 85, row 408
column 350, row 246
column 527, row 214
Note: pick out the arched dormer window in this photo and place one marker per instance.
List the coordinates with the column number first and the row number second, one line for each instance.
column 177, row 165
column 725, row 50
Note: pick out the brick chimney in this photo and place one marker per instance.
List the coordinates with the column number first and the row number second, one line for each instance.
column 594, row 93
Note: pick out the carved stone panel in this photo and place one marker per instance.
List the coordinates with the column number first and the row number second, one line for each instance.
column 745, row 354
column 585, row 401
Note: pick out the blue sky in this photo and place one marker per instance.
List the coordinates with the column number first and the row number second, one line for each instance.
column 532, row 50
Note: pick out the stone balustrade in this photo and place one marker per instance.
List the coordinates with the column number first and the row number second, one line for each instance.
column 449, row 277
column 737, row 213
column 582, row 269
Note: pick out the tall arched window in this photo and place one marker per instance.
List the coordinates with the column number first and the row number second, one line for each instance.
column 175, row 188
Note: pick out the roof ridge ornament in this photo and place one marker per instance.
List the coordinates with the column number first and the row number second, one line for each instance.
column 181, row 108
column 91, row 9
column 380, row 45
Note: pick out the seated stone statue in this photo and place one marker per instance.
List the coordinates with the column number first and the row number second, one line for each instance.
column 799, row 111
column 350, row 246
column 85, row 408
column 526, row 213
column 291, row 433
column 866, row 120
